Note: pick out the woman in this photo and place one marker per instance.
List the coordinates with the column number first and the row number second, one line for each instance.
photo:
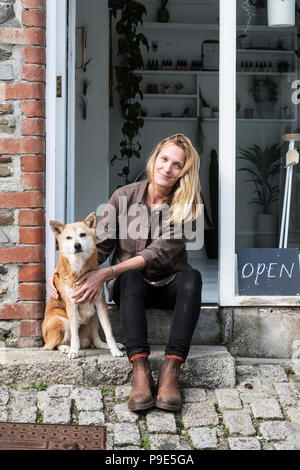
column 150, row 269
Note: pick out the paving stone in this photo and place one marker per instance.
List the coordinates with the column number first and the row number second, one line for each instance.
column 266, row 409
column 288, row 393
column 23, row 415
column 246, row 370
column 58, row 391
column 252, row 396
column 239, row 422
column 293, row 414
column 165, row 442
column 244, row 443
column 275, row 430
column 3, row 414
column 228, row 398
column 4, row 395
column 192, row 395
column 57, row 411
column 273, row 373
column 124, row 415
column 122, row 392
column 284, row 446
column 204, row 438
column 87, row 399
column 258, row 384
column 199, row 414
column 109, row 441
column 126, row 434
column 23, row 407
column 91, row 417
column 161, row 421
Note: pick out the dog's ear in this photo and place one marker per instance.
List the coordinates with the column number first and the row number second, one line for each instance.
column 56, row 227
column 91, row 220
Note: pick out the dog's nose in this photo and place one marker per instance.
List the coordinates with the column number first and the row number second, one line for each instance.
column 77, row 247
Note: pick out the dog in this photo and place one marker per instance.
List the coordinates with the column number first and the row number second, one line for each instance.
column 68, row 326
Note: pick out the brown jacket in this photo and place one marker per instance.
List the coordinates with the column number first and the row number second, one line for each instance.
column 164, row 257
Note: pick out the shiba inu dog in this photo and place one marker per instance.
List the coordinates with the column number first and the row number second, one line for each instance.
column 68, row 326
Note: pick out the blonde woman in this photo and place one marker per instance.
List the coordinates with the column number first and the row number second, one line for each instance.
column 149, row 267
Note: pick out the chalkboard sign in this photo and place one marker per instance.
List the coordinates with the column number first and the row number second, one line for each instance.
column 268, row 271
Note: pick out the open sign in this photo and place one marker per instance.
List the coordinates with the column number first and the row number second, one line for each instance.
column 268, row 271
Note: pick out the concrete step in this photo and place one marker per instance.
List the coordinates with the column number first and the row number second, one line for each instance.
column 206, row 366
column 207, row 332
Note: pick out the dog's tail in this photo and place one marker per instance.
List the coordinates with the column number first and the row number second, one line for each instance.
column 54, row 332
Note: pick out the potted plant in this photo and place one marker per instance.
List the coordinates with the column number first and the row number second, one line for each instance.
column 281, row 13
column 163, row 14
column 263, row 168
column 211, row 233
column 264, row 91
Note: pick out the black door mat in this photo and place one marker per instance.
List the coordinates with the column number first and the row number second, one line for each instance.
column 18, row 436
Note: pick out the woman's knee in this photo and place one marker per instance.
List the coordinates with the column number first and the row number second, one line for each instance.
column 191, row 280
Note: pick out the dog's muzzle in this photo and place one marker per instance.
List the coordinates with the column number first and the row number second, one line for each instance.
column 77, row 248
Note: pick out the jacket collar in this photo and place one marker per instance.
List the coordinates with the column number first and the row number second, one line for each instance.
column 142, row 192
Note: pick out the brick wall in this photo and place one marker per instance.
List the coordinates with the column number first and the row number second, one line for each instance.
column 22, row 171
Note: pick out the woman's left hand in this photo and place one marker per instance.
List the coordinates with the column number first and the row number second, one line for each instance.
column 90, row 285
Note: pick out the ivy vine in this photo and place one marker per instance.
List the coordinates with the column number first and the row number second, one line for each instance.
column 128, row 82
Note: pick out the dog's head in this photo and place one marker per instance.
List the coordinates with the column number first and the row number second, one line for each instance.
column 78, row 238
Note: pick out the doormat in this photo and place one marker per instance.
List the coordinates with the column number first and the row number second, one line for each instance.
column 17, row 436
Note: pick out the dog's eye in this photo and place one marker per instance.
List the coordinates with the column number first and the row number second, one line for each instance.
column 82, row 235
column 69, row 238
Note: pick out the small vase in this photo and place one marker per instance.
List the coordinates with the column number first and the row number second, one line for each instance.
column 163, row 15
column 281, row 13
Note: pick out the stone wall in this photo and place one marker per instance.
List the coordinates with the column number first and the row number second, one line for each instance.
column 22, row 170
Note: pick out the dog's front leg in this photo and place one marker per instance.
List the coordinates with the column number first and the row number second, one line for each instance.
column 73, row 314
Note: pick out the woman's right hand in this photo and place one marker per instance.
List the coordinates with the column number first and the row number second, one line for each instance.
column 52, row 287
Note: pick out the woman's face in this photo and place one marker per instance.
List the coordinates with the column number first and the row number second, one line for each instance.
column 168, row 165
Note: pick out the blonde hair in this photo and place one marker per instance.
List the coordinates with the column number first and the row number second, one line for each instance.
column 184, row 200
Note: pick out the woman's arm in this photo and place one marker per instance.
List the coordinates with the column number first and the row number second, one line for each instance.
column 92, row 282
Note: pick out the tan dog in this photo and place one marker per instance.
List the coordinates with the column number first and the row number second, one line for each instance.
column 68, row 326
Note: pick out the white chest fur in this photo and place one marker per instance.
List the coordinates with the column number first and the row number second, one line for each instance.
column 85, row 311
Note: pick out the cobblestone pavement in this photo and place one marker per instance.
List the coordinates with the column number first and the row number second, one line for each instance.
column 261, row 412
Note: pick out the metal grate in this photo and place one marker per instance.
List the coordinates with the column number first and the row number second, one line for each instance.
column 15, row 436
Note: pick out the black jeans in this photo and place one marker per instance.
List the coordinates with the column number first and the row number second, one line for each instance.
column 183, row 295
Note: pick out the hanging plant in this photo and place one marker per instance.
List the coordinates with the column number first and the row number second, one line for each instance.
column 128, row 83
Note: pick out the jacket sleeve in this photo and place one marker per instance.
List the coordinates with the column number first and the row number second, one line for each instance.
column 107, row 228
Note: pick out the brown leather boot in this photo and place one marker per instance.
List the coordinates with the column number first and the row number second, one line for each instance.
column 141, row 396
column 168, row 394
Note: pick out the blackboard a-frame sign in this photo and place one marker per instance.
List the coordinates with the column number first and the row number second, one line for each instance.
column 268, row 271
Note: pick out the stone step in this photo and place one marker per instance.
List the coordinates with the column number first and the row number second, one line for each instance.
column 207, row 332
column 206, row 366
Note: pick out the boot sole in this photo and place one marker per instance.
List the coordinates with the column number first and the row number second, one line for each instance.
column 165, row 406
column 142, row 406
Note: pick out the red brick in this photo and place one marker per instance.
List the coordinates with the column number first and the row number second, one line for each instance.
column 33, row 127
column 22, row 199
column 32, row 273
column 34, row 342
column 33, row 182
column 5, row 159
column 22, row 310
column 32, row 291
column 29, row 218
column 22, row 91
column 34, row 73
column 6, row 108
column 30, row 328
column 38, row 4
column 33, row 164
column 33, row 108
column 22, row 254
column 32, row 36
column 34, row 18
column 31, row 236
column 26, row 145
column 34, row 55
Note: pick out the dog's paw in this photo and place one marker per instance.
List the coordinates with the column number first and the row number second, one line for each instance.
column 116, row 352
column 73, row 354
column 121, row 346
column 64, row 348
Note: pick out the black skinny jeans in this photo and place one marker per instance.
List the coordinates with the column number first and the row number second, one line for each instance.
column 182, row 295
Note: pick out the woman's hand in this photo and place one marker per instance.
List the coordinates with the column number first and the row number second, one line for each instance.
column 53, row 290
column 90, row 285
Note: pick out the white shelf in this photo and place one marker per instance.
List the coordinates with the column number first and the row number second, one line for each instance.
column 285, row 74
column 166, row 72
column 169, row 95
column 215, row 120
column 181, row 26
column 158, row 118
column 264, row 51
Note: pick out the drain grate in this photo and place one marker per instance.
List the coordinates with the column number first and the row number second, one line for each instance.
column 17, row 436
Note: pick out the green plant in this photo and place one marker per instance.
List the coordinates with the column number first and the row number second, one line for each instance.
column 128, row 82
column 263, row 89
column 264, row 166
column 104, row 390
column 39, row 386
column 145, row 442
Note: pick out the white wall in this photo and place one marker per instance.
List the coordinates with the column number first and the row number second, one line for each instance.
column 92, row 135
